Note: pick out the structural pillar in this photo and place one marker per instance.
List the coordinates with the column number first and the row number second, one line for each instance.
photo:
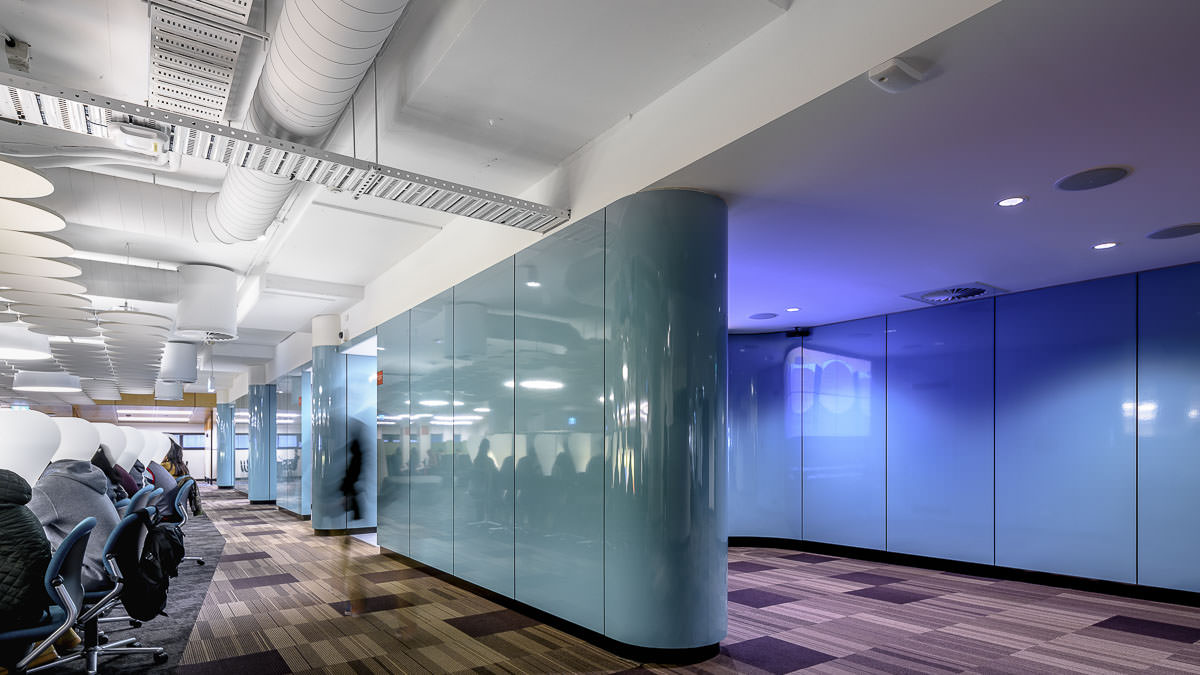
column 224, row 441
column 263, row 465
column 328, row 394
column 665, row 349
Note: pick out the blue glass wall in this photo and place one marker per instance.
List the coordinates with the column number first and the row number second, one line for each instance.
column 1168, row 423
column 241, row 444
column 513, row 479
column 263, row 461
column 289, row 469
column 306, row 442
column 360, row 428
column 328, row 394
column 940, row 416
column 223, row 420
column 843, row 412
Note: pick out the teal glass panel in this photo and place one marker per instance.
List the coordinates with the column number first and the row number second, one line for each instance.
column 481, row 420
column 396, row 445
column 1066, row 376
column 665, row 556
column 241, row 444
column 1168, row 423
column 287, row 443
column 361, row 410
column 940, row 417
column 224, row 443
column 263, row 460
column 329, row 438
column 844, row 416
column 305, row 398
column 559, row 461
column 765, row 460
column 432, row 515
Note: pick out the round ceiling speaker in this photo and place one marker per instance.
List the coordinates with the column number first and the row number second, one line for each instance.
column 46, row 312
column 29, row 440
column 135, row 318
column 18, row 344
column 1092, row 178
column 168, row 391
column 207, row 303
column 36, row 245
column 22, row 282
column 78, row 439
column 38, row 267
column 22, row 182
column 45, row 299
column 35, row 381
column 24, row 217
column 178, row 362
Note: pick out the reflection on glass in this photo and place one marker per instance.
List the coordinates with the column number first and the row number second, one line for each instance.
column 431, row 458
column 241, row 445
column 361, row 411
column 288, row 442
column 394, row 439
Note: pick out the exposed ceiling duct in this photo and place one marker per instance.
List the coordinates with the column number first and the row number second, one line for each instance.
column 318, row 55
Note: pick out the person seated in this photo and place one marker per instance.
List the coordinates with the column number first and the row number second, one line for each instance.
column 24, row 555
column 137, row 472
column 115, row 491
column 174, row 463
column 69, row 491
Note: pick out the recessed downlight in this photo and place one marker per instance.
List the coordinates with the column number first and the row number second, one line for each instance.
column 1011, row 201
column 1105, row 245
column 793, row 309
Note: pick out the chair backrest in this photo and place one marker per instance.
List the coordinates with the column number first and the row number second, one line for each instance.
column 138, row 499
column 67, row 563
column 181, row 499
column 114, row 538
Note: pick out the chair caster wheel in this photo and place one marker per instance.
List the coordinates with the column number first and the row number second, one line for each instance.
column 200, row 562
column 160, row 658
column 135, row 623
column 103, row 639
column 135, row 644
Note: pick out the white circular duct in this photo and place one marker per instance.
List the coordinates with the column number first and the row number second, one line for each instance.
column 79, row 439
column 28, row 440
column 207, row 305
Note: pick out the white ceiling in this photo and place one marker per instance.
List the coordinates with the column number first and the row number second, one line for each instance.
column 860, row 196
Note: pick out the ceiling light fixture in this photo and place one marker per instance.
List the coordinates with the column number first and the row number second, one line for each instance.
column 57, row 383
column 1105, row 245
column 18, row 344
column 1011, row 201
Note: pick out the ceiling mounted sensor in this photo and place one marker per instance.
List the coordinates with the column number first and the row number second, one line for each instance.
column 178, row 362
column 1175, row 232
column 207, row 303
column 1092, row 178
column 895, row 75
column 957, row 293
column 21, row 182
column 54, row 383
column 24, row 217
column 168, row 391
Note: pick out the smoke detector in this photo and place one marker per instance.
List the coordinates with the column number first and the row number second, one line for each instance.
column 895, row 75
column 956, row 293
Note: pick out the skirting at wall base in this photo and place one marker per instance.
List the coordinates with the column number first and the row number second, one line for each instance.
column 670, row 657
column 1152, row 593
column 342, row 532
column 294, row 514
column 262, row 501
column 224, row 487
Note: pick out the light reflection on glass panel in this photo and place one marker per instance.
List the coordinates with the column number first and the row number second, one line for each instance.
column 287, row 444
column 395, row 442
column 361, row 411
column 844, row 433
column 433, row 457
column 481, row 419
column 241, row 444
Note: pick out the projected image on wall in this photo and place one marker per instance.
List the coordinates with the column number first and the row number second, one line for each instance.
column 831, row 391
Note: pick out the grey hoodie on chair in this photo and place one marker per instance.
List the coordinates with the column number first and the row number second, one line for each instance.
column 69, row 491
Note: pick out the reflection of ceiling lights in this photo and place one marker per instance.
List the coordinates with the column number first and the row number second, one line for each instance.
column 451, row 423
column 18, row 344
column 542, row 385
column 433, row 403
column 158, row 411
column 32, row 380
column 1011, row 201
column 1105, row 245
column 465, row 418
column 483, row 410
column 422, row 416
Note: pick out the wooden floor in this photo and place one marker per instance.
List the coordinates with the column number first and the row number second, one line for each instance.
column 277, row 605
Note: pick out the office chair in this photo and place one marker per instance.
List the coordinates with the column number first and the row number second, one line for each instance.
column 64, row 586
column 136, row 501
column 181, row 511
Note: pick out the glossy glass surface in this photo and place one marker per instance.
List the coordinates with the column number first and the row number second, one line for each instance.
column 844, row 411
column 559, row 459
column 223, row 440
column 665, row 385
column 361, row 390
column 306, row 442
column 481, row 420
column 241, row 444
column 395, row 444
column 939, row 432
column 432, row 514
column 263, row 461
column 1168, row 419
column 765, row 450
column 287, row 442
column 329, row 438
column 1066, row 378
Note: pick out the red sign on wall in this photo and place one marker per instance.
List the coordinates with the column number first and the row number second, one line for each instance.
column 378, row 378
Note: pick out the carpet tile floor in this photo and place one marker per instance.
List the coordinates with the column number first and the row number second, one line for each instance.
column 277, row 601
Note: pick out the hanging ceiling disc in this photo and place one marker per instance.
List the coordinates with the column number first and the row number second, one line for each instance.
column 23, row 182
column 135, row 318
column 46, row 311
column 37, row 267
column 45, row 299
column 36, row 245
column 21, row 282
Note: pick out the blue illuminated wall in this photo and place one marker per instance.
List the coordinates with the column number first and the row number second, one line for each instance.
column 1052, row 430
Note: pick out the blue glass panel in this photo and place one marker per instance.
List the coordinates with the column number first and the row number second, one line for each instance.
column 1168, row 420
column 305, row 397
column 432, row 515
column 940, row 432
column 765, row 469
column 329, row 438
column 559, row 459
column 241, row 444
column 287, row 446
column 361, row 410
column 1065, row 446
column 263, row 461
column 224, row 443
column 395, row 448
column 482, row 424
column 843, row 408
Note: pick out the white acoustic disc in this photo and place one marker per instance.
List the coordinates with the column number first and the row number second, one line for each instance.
column 37, row 245
column 46, row 311
column 38, row 267
column 136, row 318
column 8, row 317
column 22, row 282
column 45, row 299
column 25, row 217
column 22, row 182
column 61, row 322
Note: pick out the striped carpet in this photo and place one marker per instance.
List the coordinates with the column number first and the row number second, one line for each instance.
column 277, row 603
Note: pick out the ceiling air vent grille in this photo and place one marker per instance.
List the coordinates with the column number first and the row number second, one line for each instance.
column 956, row 293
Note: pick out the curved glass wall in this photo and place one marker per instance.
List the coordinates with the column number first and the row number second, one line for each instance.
column 241, row 444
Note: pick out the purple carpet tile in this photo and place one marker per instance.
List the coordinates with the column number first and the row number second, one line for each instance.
column 743, row 566
column 898, row 596
column 376, row 604
column 476, row 625
column 810, row 558
column 867, row 578
column 775, row 656
column 754, row 597
column 1155, row 629
column 259, row 533
column 267, row 580
column 261, row 663
column 238, row 557
column 393, row 575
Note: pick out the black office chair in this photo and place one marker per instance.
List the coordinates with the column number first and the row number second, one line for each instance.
column 181, row 516
column 64, row 586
